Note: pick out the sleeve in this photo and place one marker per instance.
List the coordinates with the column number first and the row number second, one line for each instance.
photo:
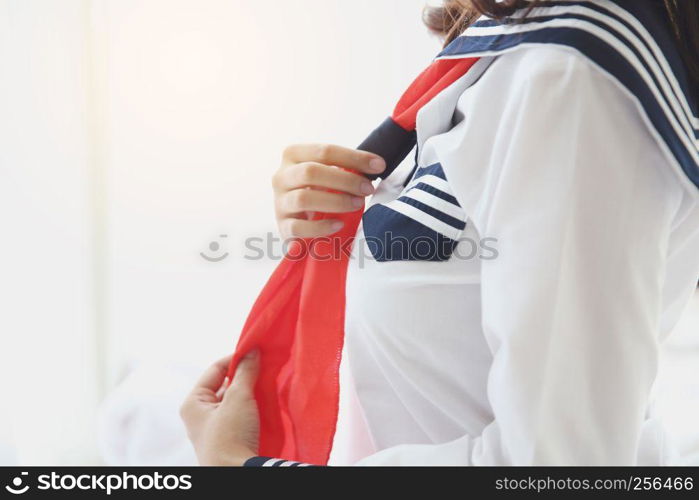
column 272, row 462
column 553, row 160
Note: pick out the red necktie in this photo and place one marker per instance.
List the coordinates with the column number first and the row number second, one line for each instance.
column 298, row 321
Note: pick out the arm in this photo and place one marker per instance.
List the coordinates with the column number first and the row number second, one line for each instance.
column 554, row 161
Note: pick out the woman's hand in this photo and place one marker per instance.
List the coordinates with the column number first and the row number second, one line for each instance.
column 301, row 187
column 222, row 420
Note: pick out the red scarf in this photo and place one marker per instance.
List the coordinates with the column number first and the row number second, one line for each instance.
column 298, row 321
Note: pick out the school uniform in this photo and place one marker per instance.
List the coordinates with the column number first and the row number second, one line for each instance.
column 509, row 293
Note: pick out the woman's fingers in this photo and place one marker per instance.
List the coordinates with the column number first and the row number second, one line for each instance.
column 246, row 375
column 304, row 229
column 321, row 178
column 214, row 375
column 205, row 393
column 312, row 200
column 222, row 390
column 328, row 154
column 317, row 175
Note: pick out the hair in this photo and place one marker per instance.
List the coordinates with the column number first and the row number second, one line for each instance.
column 454, row 16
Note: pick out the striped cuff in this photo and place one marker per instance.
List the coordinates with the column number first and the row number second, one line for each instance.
column 272, row 462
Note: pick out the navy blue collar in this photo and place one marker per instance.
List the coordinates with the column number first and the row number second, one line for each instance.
column 630, row 40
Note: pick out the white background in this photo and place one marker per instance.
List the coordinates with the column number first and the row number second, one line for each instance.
column 132, row 134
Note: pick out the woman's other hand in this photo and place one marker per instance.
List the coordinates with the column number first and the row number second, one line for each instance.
column 302, row 184
column 221, row 418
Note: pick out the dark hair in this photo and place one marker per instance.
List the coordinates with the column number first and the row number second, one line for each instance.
column 454, row 16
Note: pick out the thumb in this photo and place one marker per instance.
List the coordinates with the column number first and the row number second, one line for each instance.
column 246, row 374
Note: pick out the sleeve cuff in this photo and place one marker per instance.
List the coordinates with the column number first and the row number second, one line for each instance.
column 272, row 462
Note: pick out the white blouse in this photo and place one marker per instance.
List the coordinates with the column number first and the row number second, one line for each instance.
column 543, row 349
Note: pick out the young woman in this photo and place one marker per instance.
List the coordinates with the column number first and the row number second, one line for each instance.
column 572, row 146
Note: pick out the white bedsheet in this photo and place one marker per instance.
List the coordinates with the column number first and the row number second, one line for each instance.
column 139, row 423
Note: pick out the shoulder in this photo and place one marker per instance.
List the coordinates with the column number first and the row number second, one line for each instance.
column 561, row 75
column 542, row 62
column 580, row 52
column 559, row 80
column 547, row 115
